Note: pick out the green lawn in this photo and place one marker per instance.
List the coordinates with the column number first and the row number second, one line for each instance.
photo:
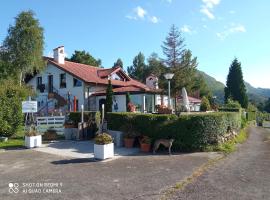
column 14, row 141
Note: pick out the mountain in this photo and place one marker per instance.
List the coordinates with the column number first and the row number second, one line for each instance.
column 216, row 87
column 256, row 95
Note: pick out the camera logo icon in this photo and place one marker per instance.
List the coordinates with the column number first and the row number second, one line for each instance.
column 13, row 188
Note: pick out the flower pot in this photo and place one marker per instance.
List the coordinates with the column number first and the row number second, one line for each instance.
column 33, row 141
column 105, row 151
column 145, row 147
column 129, row 142
column 3, row 139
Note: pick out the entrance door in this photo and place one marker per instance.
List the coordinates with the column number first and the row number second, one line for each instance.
column 50, row 83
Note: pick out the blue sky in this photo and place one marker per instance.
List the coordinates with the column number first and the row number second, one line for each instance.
column 216, row 31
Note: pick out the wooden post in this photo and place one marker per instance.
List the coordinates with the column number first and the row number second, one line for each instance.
column 74, row 104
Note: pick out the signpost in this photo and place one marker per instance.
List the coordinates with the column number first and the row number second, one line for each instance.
column 29, row 107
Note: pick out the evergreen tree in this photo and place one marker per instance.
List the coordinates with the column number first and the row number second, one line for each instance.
column 235, row 87
column 184, row 74
column 267, row 106
column 173, row 47
column 118, row 63
column 84, row 58
column 205, row 105
column 109, row 98
column 23, row 47
column 128, row 100
column 138, row 69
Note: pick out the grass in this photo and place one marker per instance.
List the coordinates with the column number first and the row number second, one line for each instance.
column 15, row 141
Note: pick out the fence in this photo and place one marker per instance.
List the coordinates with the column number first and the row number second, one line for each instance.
column 53, row 122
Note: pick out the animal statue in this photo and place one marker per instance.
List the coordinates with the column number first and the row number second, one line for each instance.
column 165, row 142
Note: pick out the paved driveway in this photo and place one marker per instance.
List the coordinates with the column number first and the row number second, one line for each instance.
column 244, row 174
column 46, row 176
column 80, row 149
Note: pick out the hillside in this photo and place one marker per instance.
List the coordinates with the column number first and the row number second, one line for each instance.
column 256, row 95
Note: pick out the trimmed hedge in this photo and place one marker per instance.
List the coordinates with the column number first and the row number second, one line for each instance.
column 191, row 132
column 75, row 117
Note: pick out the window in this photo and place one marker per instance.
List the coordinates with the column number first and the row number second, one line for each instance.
column 77, row 83
column 63, row 81
column 39, row 81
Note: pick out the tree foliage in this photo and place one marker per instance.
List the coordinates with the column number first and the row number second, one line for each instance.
column 109, row 98
column 118, row 63
column 267, row 106
column 11, row 97
column 173, row 47
column 128, row 100
column 138, row 69
column 22, row 49
column 85, row 58
column 205, row 104
column 235, row 87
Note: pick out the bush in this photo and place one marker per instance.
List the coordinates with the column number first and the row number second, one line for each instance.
column 191, row 132
column 11, row 97
column 205, row 105
column 103, row 138
column 75, row 117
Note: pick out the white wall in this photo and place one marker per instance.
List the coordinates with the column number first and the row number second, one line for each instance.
column 51, row 69
column 120, row 99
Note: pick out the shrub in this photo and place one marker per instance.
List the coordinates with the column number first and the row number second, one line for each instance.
column 191, row 132
column 103, row 138
column 32, row 131
column 232, row 104
column 50, row 134
column 11, row 97
column 75, row 117
column 205, row 105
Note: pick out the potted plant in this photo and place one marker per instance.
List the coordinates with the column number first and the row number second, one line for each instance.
column 129, row 135
column 32, row 138
column 103, row 147
column 145, row 142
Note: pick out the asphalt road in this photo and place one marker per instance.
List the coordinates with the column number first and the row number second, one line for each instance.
column 244, row 174
column 142, row 176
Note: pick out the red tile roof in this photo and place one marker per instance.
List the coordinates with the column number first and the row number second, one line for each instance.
column 91, row 74
column 191, row 99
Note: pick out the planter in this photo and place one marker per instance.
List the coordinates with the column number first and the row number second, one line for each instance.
column 129, row 142
column 3, row 139
column 70, row 133
column 145, row 147
column 33, row 141
column 104, row 151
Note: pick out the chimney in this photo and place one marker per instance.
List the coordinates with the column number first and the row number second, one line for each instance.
column 152, row 81
column 59, row 55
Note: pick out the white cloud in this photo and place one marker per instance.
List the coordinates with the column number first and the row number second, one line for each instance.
column 208, row 7
column 232, row 12
column 231, row 30
column 207, row 12
column 154, row 19
column 187, row 29
column 140, row 12
column 211, row 3
column 169, row 1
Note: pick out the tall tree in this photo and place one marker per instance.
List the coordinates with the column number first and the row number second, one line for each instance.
column 138, row 69
column 267, row 106
column 109, row 98
column 85, row 58
column 23, row 47
column 184, row 74
column 173, row 47
column 118, row 63
column 235, row 87
column 156, row 67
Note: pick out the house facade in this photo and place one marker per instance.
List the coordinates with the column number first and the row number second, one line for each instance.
column 67, row 86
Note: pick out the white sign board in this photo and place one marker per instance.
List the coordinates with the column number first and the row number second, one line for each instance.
column 29, row 106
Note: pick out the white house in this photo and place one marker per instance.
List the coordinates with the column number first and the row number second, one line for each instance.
column 65, row 86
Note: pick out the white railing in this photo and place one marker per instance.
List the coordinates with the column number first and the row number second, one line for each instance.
column 53, row 122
